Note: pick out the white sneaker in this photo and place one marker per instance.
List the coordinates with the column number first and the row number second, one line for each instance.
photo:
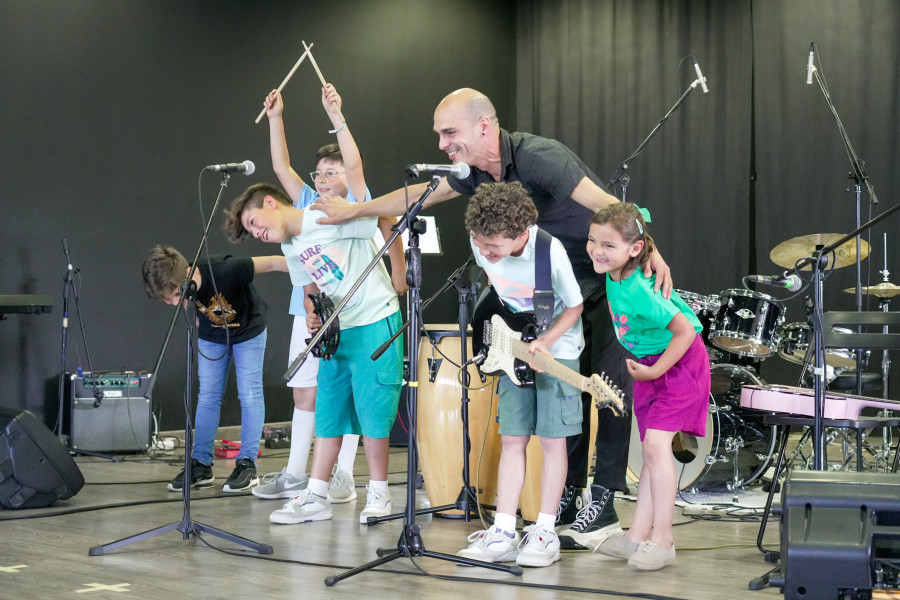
column 378, row 504
column 280, row 485
column 540, row 548
column 303, row 507
column 341, row 487
column 492, row 545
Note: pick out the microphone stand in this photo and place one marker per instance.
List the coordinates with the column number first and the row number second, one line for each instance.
column 410, row 543
column 859, row 176
column 621, row 176
column 70, row 287
column 467, row 500
column 187, row 526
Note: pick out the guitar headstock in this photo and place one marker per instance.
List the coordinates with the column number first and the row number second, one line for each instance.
column 606, row 395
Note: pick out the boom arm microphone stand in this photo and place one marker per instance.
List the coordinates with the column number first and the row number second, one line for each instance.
column 410, row 543
column 621, row 177
column 187, row 526
column 859, row 176
column 70, row 287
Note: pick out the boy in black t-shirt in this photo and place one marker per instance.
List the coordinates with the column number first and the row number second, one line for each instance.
column 232, row 320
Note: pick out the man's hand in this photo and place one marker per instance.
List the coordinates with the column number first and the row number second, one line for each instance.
column 657, row 265
column 337, row 208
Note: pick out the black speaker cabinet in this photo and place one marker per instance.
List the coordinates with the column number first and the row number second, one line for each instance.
column 36, row 469
column 119, row 422
column 836, row 528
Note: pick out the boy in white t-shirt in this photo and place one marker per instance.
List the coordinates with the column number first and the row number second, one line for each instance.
column 355, row 394
column 501, row 218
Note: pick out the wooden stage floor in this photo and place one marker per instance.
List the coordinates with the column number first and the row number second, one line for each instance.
column 44, row 553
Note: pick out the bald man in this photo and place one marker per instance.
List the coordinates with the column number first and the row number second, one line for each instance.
column 567, row 194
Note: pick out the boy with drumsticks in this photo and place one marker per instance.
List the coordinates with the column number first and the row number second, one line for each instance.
column 501, row 219
column 339, row 172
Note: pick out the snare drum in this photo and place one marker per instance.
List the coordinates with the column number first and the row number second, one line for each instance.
column 707, row 463
column 748, row 323
column 440, row 424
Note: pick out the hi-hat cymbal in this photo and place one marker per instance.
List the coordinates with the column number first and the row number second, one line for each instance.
column 786, row 254
column 882, row 290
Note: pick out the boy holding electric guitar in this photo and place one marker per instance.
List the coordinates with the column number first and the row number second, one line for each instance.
column 529, row 272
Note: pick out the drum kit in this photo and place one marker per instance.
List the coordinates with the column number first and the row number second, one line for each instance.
column 742, row 328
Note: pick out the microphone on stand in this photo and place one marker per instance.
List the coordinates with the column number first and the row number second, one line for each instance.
column 809, row 66
column 247, row 168
column 789, row 282
column 700, row 77
column 459, row 170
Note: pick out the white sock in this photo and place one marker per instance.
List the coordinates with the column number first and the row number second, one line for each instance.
column 347, row 455
column 546, row 521
column 303, row 426
column 378, row 486
column 318, row 487
column 505, row 522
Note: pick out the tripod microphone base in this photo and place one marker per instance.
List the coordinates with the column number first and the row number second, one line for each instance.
column 186, row 528
column 411, row 545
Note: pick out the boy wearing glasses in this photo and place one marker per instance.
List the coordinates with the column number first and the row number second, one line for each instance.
column 339, row 173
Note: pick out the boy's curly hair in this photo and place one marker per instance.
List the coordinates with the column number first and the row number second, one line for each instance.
column 503, row 209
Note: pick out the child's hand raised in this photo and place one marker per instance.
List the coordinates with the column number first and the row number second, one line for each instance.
column 274, row 104
column 331, row 100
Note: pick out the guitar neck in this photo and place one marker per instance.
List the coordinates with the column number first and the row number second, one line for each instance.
column 549, row 365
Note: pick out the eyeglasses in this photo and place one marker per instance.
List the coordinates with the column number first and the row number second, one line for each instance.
column 329, row 175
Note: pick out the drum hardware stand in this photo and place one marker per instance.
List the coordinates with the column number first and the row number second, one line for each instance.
column 69, row 287
column 410, row 543
column 621, row 177
column 187, row 303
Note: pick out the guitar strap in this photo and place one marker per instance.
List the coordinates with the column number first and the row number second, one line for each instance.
column 543, row 287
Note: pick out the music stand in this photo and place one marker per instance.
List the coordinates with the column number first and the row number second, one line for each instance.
column 187, row 526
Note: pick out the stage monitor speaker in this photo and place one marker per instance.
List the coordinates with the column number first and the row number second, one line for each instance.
column 835, row 527
column 36, row 469
column 120, row 422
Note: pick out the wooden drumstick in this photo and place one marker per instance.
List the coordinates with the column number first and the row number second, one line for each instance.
column 313, row 61
column 289, row 75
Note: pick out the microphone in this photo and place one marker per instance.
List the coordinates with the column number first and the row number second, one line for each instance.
column 809, row 66
column 65, row 243
column 700, row 77
column 247, row 168
column 789, row 282
column 459, row 170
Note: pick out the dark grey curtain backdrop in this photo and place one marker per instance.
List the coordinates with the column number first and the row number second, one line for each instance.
column 753, row 163
column 111, row 108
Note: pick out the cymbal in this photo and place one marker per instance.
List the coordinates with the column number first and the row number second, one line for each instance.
column 787, row 253
column 882, row 290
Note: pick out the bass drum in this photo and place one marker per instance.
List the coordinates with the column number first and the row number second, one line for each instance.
column 708, row 463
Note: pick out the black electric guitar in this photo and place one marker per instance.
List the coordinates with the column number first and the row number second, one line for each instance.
column 327, row 345
column 502, row 337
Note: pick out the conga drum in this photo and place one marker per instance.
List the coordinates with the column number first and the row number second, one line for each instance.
column 439, row 420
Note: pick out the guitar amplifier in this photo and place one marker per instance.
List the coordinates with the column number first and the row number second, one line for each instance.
column 120, row 421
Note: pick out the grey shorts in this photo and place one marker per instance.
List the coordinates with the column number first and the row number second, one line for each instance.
column 551, row 408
